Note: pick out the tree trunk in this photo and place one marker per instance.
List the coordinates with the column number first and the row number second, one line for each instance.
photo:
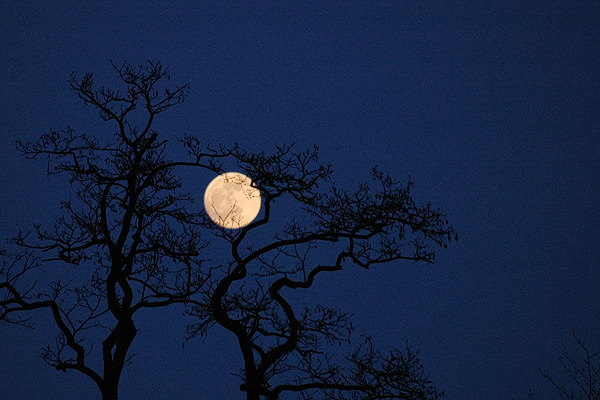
column 110, row 392
column 115, row 349
column 252, row 395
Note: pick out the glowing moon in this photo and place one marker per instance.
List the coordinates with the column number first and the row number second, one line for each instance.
column 231, row 201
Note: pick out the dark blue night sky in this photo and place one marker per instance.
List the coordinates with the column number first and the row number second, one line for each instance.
column 491, row 108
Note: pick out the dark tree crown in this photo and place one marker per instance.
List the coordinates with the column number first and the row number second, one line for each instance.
column 137, row 244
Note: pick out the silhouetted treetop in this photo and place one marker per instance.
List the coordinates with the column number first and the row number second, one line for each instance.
column 137, row 241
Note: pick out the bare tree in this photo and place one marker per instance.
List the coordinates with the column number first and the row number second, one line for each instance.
column 285, row 345
column 582, row 374
column 128, row 232
column 137, row 245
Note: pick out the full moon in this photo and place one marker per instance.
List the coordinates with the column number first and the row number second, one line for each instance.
column 231, row 201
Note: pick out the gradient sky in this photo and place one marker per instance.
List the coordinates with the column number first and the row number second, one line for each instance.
column 492, row 108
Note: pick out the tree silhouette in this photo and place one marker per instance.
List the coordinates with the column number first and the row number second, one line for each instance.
column 582, row 374
column 283, row 345
column 136, row 244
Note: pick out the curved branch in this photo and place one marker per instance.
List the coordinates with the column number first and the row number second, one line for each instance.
column 23, row 305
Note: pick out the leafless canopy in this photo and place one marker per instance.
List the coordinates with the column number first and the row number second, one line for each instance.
column 286, row 345
column 131, row 234
column 127, row 233
column 582, row 374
